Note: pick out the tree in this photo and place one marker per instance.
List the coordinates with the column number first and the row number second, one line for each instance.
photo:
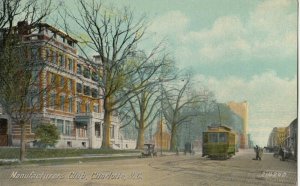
column 178, row 106
column 47, row 135
column 19, row 71
column 192, row 128
column 144, row 105
column 114, row 34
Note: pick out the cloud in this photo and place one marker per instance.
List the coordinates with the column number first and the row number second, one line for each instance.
column 272, row 100
column 173, row 22
column 275, row 16
column 270, row 31
column 260, row 41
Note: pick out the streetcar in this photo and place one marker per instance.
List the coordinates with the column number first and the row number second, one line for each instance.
column 219, row 142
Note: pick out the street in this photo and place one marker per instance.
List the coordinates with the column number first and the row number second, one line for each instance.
column 166, row 170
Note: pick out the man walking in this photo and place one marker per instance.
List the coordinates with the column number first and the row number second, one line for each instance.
column 258, row 152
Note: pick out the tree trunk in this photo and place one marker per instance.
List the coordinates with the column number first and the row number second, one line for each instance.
column 141, row 138
column 106, row 131
column 106, row 125
column 22, row 141
column 173, row 139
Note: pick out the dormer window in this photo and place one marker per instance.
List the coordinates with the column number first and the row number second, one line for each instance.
column 70, row 43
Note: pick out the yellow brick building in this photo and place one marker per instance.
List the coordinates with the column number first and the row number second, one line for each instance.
column 72, row 101
column 242, row 110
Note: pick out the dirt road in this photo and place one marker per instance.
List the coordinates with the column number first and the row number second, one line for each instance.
column 167, row 170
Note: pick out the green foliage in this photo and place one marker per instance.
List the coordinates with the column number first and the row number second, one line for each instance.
column 47, row 135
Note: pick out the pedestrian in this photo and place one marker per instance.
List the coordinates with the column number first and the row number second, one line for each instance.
column 256, row 150
column 260, row 152
column 281, row 153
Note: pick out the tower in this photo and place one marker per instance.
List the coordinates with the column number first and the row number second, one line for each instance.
column 242, row 110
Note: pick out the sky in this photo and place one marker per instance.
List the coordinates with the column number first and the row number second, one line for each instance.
column 242, row 50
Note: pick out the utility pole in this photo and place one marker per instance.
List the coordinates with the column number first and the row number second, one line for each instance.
column 161, row 136
column 161, row 123
column 219, row 115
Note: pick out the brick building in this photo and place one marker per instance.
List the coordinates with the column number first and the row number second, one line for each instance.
column 73, row 104
column 162, row 138
column 241, row 109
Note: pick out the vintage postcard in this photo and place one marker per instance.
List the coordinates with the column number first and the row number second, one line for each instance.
column 138, row 92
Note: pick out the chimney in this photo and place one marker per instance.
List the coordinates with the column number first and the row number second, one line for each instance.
column 23, row 28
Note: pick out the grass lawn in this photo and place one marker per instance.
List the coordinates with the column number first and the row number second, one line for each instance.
column 13, row 153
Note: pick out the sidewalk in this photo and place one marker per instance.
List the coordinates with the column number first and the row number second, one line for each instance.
column 84, row 156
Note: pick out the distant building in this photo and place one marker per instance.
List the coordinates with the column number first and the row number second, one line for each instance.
column 286, row 137
column 277, row 137
column 291, row 137
column 241, row 109
column 162, row 138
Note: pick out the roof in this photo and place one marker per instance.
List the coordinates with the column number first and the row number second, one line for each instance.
column 218, row 128
column 56, row 30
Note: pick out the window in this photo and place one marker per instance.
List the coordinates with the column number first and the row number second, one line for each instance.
column 52, row 78
column 81, row 129
column 68, row 128
column 34, row 124
column 52, row 121
column 33, row 98
column 48, row 54
column 71, row 64
column 60, row 126
column 78, row 88
column 79, row 69
column 95, row 76
column 87, row 90
column 70, row 42
column 34, row 54
column 87, row 107
column 62, row 81
column 97, row 130
column 78, row 106
column 222, row 137
column 70, row 104
column 62, row 103
column 52, row 100
column 94, row 93
column 96, row 108
column 54, row 55
column 86, row 73
column 213, row 137
column 61, row 60
column 70, row 84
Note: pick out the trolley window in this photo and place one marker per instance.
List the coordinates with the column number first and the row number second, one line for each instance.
column 222, row 137
column 213, row 137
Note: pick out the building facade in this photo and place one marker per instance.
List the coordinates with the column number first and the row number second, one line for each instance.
column 286, row 137
column 162, row 138
column 73, row 101
column 242, row 110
